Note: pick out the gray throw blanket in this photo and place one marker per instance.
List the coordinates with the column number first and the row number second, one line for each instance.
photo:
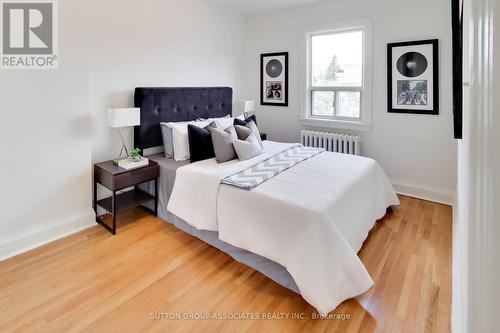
column 259, row 173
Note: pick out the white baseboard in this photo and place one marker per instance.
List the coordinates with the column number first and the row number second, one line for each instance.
column 424, row 192
column 39, row 235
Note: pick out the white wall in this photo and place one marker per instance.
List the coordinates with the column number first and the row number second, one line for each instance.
column 53, row 123
column 45, row 133
column 417, row 152
column 158, row 43
column 461, row 227
column 476, row 296
column 494, row 150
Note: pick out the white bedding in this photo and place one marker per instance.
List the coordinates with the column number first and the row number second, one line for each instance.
column 311, row 218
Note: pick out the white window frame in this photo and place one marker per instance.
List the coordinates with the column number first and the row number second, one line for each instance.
column 364, row 122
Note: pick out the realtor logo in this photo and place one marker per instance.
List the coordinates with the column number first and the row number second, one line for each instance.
column 28, row 35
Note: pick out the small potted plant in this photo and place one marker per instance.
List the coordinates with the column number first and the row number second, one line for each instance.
column 135, row 155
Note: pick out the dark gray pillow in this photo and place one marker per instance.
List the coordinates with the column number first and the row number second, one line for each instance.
column 246, row 149
column 242, row 131
column 168, row 143
column 241, row 122
column 223, row 144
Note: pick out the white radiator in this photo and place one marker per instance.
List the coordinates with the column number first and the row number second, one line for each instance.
column 339, row 143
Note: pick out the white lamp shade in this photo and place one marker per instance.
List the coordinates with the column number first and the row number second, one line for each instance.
column 249, row 106
column 124, row 117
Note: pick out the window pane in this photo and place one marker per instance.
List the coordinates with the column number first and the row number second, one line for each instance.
column 323, row 103
column 348, row 104
column 337, row 59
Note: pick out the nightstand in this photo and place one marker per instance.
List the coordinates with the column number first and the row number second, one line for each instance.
column 263, row 136
column 115, row 179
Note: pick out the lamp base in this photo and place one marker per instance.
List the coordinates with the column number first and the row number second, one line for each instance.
column 121, row 157
column 117, row 161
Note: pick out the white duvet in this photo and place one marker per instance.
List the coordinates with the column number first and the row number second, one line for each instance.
column 311, row 218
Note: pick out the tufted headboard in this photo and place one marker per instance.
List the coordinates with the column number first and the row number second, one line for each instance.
column 176, row 104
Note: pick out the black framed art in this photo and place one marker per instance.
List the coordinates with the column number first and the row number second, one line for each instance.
column 274, row 79
column 413, row 77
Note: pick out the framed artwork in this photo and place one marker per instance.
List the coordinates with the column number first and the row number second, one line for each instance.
column 457, row 9
column 413, row 77
column 274, row 79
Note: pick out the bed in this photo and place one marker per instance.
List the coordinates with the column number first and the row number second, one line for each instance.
column 302, row 227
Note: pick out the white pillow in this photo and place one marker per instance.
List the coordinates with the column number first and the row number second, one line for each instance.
column 226, row 122
column 180, row 137
column 248, row 148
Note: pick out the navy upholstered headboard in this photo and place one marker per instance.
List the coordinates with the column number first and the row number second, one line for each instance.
column 177, row 104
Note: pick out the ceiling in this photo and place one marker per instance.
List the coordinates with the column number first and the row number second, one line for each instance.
column 253, row 6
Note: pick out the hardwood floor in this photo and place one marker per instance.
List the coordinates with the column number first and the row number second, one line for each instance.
column 92, row 281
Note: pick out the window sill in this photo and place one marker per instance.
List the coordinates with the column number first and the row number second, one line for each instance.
column 341, row 124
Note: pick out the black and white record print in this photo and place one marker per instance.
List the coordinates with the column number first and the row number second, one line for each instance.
column 274, row 79
column 412, row 64
column 413, row 77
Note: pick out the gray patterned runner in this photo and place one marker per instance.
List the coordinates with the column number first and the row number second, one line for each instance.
column 259, row 173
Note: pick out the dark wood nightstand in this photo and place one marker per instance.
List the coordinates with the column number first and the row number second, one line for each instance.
column 263, row 136
column 115, row 178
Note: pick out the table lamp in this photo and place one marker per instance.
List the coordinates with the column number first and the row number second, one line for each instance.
column 249, row 107
column 123, row 118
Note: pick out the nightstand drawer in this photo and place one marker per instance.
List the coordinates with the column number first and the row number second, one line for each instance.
column 134, row 177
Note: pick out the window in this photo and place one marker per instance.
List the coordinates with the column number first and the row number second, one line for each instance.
column 338, row 74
